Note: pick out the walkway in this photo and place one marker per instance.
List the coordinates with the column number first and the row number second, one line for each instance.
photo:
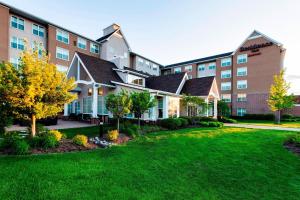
column 61, row 124
column 262, row 127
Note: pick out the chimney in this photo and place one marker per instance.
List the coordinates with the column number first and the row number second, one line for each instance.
column 110, row 29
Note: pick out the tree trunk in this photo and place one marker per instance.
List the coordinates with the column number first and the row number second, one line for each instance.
column 33, row 125
column 279, row 113
column 118, row 125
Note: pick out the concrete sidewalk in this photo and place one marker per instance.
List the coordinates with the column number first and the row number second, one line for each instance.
column 261, row 127
column 61, row 124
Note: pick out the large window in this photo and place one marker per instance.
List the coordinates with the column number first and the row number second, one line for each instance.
column 188, row 68
column 62, row 54
column 77, row 107
column 38, row 47
column 70, row 108
column 177, row 70
column 15, row 62
column 226, row 86
column 212, row 66
column 241, row 71
column 155, row 67
column 147, row 63
column 62, row 36
column 201, row 67
column 61, row 68
column 102, row 110
column 241, row 97
column 226, row 74
column 81, row 43
column 226, row 62
column 173, row 107
column 87, row 104
column 160, row 106
column 94, row 48
column 17, row 43
column 241, row 111
column 140, row 61
column 242, row 58
column 135, row 80
column 242, row 84
column 16, row 22
column 38, row 30
column 226, row 97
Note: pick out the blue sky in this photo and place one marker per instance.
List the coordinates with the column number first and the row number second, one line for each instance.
column 173, row 31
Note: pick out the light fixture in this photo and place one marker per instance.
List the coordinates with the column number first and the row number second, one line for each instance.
column 100, row 91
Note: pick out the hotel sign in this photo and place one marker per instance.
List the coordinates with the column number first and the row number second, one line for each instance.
column 256, row 47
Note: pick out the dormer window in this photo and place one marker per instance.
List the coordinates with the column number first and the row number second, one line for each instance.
column 136, row 80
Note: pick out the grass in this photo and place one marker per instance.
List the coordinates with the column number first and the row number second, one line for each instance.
column 208, row 163
column 271, row 123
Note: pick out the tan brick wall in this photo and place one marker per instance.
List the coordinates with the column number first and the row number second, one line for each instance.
column 4, row 30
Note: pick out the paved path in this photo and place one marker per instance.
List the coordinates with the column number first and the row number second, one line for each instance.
column 61, row 124
column 262, row 127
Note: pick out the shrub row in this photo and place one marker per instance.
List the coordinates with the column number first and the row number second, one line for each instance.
column 226, row 120
column 256, row 117
column 211, row 124
column 295, row 139
column 14, row 144
column 174, row 123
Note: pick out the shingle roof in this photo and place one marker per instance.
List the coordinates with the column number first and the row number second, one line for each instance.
column 198, row 86
column 200, row 60
column 137, row 71
column 167, row 83
column 101, row 70
column 105, row 37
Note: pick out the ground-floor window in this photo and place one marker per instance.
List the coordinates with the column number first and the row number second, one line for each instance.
column 70, row 108
column 173, row 107
column 87, row 105
column 102, row 110
column 192, row 110
column 77, row 107
column 160, row 107
column 241, row 111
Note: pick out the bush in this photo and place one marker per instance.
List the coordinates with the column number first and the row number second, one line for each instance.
column 20, row 147
column 171, row 123
column 15, row 144
column 256, row 117
column 289, row 118
column 56, row 134
column 184, row 122
column 45, row 140
column 211, row 124
column 189, row 119
column 113, row 135
column 81, row 140
column 226, row 120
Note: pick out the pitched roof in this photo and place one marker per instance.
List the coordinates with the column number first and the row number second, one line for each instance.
column 205, row 59
column 105, row 36
column 198, row 86
column 167, row 83
column 136, row 71
column 101, row 70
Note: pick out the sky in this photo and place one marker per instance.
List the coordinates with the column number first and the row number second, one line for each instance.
column 170, row 31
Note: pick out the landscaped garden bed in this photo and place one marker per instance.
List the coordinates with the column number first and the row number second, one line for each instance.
column 293, row 143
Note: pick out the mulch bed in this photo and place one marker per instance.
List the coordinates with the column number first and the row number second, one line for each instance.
column 292, row 147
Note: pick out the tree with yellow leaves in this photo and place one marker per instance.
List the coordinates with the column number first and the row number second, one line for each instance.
column 279, row 98
column 35, row 89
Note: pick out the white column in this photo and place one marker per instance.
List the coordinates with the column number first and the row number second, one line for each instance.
column 165, row 107
column 215, row 108
column 154, row 115
column 95, row 101
column 66, row 109
column 178, row 107
column 206, row 100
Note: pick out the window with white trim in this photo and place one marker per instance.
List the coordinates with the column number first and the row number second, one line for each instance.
column 140, row 61
column 81, row 43
column 212, row 66
column 38, row 47
column 177, row 70
column 62, row 36
column 94, row 48
column 17, row 22
column 226, row 98
column 136, row 80
column 38, row 30
column 188, row 68
column 225, row 62
column 242, row 84
column 102, row 110
column 226, row 86
column 241, row 71
column 87, row 104
column 241, row 97
column 201, row 67
column 155, row 67
column 242, row 59
column 15, row 62
column 62, row 54
column 62, row 68
column 17, row 43
column 226, row 74
column 241, row 111
column 147, row 63
column 190, row 76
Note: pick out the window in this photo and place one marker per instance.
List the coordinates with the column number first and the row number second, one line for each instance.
column 38, row 30
column 81, row 43
column 17, row 43
column 140, row 61
column 61, row 68
column 190, row 76
column 242, row 84
column 15, row 62
column 226, row 62
column 177, row 70
column 212, row 66
column 241, row 97
column 102, row 110
column 62, row 36
column 62, row 54
column 38, row 47
column 226, row 97
column 70, row 108
column 17, row 23
column 77, row 107
column 241, row 111
column 155, row 67
column 226, row 74
column 135, row 80
column 226, row 86
column 90, row 91
column 94, row 48
column 87, row 104
column 242, row 58
column 241, row 71
column 201, row 67
column 160, row 107
column 188, row 68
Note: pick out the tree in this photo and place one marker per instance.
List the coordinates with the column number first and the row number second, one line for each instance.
column 223, row 108
column 119, row 105
column 279, row 98
column 141, row 102
column 36, row 90
column 189, row 100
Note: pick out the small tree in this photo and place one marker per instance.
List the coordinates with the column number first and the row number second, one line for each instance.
column 36, row 89
column 141, row 102
column 279, row 98
column 189, row 100
column 223, row 109
column 119, row 105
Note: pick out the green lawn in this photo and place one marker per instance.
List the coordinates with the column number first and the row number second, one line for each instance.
column 228, row 163
column 270, row 123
